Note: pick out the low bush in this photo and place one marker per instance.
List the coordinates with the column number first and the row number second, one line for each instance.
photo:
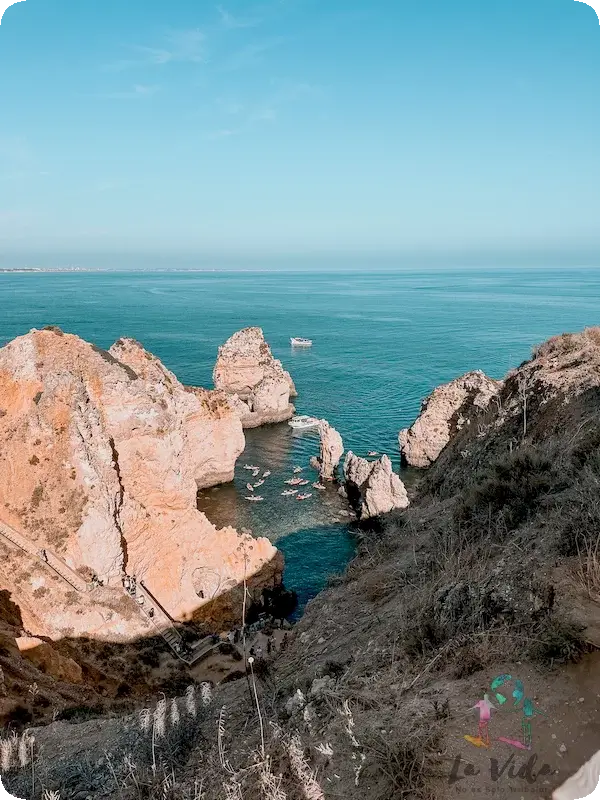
column 81, row 713
column 511, row 489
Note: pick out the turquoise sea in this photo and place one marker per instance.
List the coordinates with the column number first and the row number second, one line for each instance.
column 382, row 341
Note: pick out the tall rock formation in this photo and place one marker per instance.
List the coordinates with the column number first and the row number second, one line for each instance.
column 259, row 387
column 331, row 450
column 101, row 457
column 373, row 487
column 218, row 438
column 442, row 414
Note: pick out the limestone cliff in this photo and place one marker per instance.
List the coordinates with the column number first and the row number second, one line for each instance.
column 442, row 413
column 102, row 455
column 216, row 432
column 373, row 487
column 331, row 450
column 259, row 387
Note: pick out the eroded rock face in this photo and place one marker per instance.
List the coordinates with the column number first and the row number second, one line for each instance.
column 259, row 387
column 331, row 450
column 101, row 457
column 443, row 413
column 373, row 487
column 214, row 427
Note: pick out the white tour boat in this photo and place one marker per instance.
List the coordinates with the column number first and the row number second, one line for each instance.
column 300, row 341
column 302, row 422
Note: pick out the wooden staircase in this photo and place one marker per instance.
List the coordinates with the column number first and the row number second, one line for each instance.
column 163, row 623
column 47, row 557
column 159, row 617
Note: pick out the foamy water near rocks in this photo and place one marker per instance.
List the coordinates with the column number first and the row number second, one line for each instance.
column 331, row 450
column 102, row 455
column 443, row 413
column 259, row 387
column 373, row 487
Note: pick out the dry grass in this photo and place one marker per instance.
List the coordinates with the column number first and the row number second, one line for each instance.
column 588, row 570
column 567, row 343
column 558, row 345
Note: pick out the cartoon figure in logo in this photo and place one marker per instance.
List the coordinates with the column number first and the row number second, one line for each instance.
column 520, row 704
column 485, row 712
column 529, row 712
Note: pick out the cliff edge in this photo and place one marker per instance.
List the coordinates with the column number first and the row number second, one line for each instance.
column 101, row 459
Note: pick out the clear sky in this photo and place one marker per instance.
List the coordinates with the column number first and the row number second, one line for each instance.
column 287, row 131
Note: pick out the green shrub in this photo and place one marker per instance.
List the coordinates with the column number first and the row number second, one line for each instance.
column 512, row 488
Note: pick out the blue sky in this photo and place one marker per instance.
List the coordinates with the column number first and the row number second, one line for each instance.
column 186, row 132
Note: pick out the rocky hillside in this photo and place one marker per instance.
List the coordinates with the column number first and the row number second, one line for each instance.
column 493, row 569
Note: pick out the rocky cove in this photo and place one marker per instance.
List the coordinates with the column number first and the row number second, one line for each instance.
column 108, row 463
column 123, row 576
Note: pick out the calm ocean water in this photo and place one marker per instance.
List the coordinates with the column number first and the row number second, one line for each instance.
column 382, row 341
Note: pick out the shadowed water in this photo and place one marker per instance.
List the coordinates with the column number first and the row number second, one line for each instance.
column 382, row 341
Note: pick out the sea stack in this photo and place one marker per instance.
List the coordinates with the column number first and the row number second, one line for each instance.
column 331, row 450
column 373, row 488
column 102, row 455
column 256, row 382
column 442, row 414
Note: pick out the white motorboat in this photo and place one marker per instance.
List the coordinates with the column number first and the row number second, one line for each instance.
column 300, row 341
column 302, row 422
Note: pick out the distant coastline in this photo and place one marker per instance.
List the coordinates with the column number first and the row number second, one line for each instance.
column 14, row 270
column 50, row 269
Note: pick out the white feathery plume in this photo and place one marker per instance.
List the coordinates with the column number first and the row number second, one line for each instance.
column 174, row 713
column 160, row 718
column 145, row 719
column 206, row 693
column 6, row 752
column 270, row 784
column 190, row 700
column 302, row 771
column 347, row 713
column 221, row 744
column 25, row 745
